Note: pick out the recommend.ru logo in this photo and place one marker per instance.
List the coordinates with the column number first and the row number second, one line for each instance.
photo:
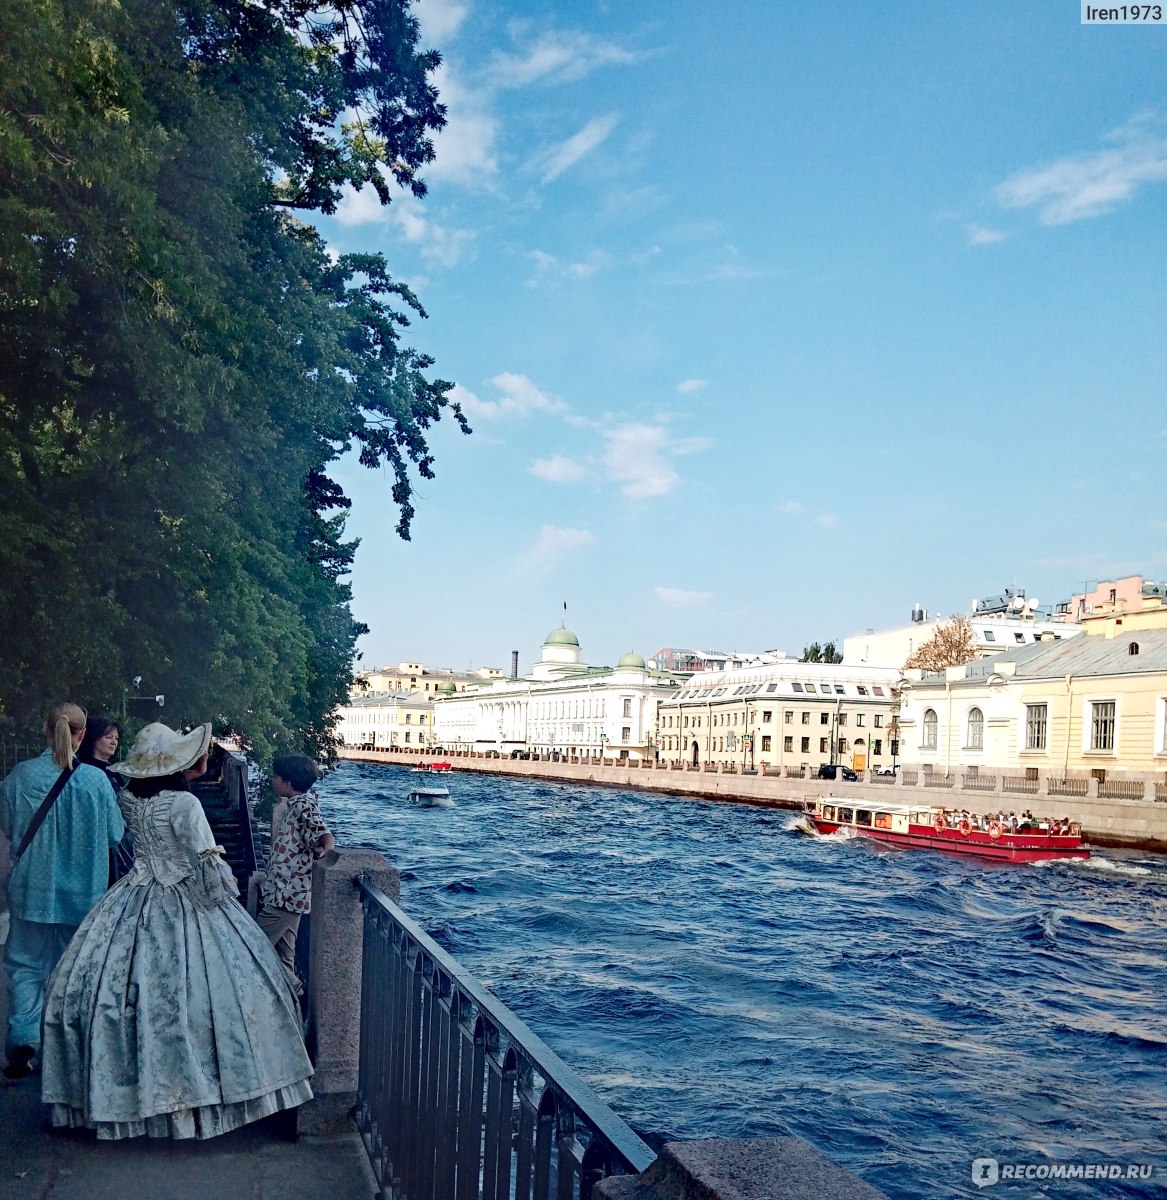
column 987, row 1171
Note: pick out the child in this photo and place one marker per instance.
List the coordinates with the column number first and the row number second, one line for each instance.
column 299, row 836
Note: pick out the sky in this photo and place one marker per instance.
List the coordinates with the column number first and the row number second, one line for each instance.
column 772, row 321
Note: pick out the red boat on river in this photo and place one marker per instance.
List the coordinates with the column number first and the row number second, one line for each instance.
column 931, row 828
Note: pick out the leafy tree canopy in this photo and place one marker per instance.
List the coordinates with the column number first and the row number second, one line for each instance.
column 181, row 359
column 826, row 653
column 952, row 645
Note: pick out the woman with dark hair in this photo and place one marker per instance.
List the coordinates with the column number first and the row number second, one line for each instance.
column 99, row 746
column 170, row 1013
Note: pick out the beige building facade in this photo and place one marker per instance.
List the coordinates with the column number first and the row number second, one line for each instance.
column 1093, row 704
column 785, row 714
column 392, row 722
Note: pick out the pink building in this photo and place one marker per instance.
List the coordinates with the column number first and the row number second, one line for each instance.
column 1107, row 593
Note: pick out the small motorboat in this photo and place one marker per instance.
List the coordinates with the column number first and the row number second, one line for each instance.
column 430, row 796
column 935, row 828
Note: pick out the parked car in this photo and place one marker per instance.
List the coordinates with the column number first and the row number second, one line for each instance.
column 837, row 771
column 887, row 770
column 520, row 753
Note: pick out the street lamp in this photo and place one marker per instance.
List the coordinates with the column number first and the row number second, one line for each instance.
column 160, row 700
column 603, row 743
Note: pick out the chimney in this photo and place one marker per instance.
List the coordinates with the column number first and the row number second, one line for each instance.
column 514, row 664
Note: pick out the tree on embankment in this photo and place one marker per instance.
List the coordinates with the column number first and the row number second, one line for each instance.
column 181, row 358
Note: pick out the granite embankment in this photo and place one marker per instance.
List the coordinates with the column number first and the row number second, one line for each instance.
column 1133, row 823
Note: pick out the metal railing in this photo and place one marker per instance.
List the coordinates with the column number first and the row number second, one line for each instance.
column 1019, row 785
column 13, row 752
column 933, row 780
column 457, row 1099
column 1161, row 792
column 1068, row 787
column 1121, row 789
column 979, row 783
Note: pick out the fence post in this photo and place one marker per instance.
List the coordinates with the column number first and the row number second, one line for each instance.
column 334, row 983
column 777, row 1168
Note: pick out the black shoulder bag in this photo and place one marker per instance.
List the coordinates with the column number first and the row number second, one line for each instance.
column 38, row 818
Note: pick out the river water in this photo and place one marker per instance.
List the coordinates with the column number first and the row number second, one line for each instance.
column 711, row 971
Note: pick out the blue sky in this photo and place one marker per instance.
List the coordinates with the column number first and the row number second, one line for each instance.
column 771, row 321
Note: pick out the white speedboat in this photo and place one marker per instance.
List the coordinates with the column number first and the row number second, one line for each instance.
column 431, row 795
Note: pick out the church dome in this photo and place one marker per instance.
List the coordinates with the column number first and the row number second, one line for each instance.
column 561, row 637
column 447, row 687
column 632, row 662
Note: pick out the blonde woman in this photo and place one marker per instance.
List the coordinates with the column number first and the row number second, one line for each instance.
column 170, row 1014
column 61, row 868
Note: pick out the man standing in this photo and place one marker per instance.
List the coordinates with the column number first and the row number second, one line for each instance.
column 60, row 867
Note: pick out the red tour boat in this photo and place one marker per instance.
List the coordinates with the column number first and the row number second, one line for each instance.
column 933, row 828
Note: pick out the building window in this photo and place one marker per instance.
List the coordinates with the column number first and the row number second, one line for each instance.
column 822, row 745
column 408, row 718
column 788, row 745
column 976, row 730
column 929, row 742
column 407, row 735
column 879, row 720
column 842, row 719
column 860, row 719
column 625, row 733
column 806, row 745
column 627, row 708
column 1102, row 725
column 806, row 718
column 824, row 718
column 1036, row 716
column 788, row 717
column 842, row 745
column 877, row 746
column 765, row 742
column 990, row 636
column 766, row 715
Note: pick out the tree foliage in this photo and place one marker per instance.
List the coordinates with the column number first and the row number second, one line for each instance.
column 181, row 359
column 828, row 652
column 952, row 645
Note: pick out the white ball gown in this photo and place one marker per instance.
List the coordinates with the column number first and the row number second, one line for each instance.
column 169, row 1014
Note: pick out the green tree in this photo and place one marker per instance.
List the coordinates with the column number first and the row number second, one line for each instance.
column 180, row 358
column 826, row 653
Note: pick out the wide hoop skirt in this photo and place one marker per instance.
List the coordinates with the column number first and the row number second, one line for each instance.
column 170, row 1019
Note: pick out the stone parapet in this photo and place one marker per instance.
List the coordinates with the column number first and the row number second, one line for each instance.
column 1105, row 821
column 778, row 1168
column 334, row 982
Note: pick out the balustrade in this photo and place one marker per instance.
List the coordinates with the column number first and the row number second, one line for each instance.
column 457, row 1098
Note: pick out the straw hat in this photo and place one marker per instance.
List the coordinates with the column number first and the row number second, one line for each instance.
column 158, row 750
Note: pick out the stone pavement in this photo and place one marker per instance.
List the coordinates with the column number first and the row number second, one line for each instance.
column 258, row 1162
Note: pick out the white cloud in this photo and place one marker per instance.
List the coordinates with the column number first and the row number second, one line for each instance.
column 359, row 208
column 979, row 235
column 519, row 396
column 555, row 57
column 437, row 243
column 1087, row 185
column 680, row 598
column 558, row 469
column 635, row 459
column 792, row 507
column 465, row 147
column 547, row 266
column 555, row 542
column 691, row 385
column 558, row 159
column 439, row 19
column 827, row 521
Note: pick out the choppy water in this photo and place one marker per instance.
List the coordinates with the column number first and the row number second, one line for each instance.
column 711, row 971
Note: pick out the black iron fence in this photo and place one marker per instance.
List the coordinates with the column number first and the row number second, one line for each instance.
column 457, row 1098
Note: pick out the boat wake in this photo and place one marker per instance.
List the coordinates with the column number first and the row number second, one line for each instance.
column 1096, row 863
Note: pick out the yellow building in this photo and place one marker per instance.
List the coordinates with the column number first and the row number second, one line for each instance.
column 1089, row 705
column 785, row 714
column 408, row 677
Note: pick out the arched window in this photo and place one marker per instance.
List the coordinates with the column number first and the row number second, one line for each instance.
column 1133, row 648
column 929, row 742
column 976, row 729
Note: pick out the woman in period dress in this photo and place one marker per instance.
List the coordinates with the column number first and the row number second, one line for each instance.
column 169, row 1013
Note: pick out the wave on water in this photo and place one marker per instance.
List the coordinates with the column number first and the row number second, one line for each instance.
column 711, row 979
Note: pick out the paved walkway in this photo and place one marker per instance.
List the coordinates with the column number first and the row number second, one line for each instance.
column 258, row 1162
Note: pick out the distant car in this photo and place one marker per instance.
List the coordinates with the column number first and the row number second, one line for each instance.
column 887, row 770
column 837, row 771
column 520, row 753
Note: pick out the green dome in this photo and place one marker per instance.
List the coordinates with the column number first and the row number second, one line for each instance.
column 632, row 661
column 561, row 637
column 446, row 687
